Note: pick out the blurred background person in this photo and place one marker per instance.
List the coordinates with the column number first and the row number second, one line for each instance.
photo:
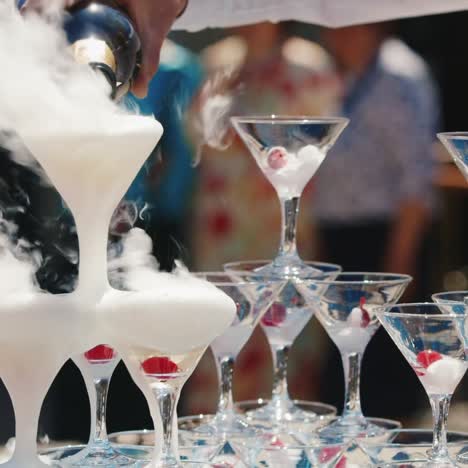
column 374, row 195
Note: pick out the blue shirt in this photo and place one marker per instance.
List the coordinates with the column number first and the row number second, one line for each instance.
column 170, row 93
column 385, row 154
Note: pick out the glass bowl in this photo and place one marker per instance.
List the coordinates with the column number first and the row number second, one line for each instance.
column 320, row 414
column 289, row 450
column 192, row 447
column 409, row 447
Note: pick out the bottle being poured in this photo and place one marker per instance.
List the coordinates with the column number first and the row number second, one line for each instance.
column 103, row 36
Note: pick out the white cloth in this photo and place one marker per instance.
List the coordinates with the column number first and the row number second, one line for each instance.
column 224, row 13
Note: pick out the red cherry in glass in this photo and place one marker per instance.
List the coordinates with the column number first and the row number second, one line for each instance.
column 327, row 454
column 159, row 365
column 275, row 315
column 365, row 320
column 428, row 357
column 276, row 442
column 100, row 353
column 341, row 463
column 277, row 158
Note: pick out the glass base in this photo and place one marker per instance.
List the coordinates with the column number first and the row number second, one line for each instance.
column 104, row 455
column 227, row 425
column 289, row 266
column 162, row 463
column 422, row 464
column 140, row 457
column 410, row 447
column 177, row 464
column 447, row 461
column 462, row 457
column 185, row 464
column 285, row 411
column 182, row 464
column 289, row 449
column 191, row 447
column 82, row 456
column 359, row 428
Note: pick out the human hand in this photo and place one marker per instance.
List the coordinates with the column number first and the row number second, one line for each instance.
column 153, row 20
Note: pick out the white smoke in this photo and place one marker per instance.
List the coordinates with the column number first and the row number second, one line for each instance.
column 214, row 109
column 131, row 264
column 133, row 267
column 18, row 263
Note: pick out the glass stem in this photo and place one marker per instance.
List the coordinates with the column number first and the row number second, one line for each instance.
column 92, row 270
column 225, row 371
column 166, row 397
column 352, row 372
column 440, row 407
column 289, row 215
column 102, row 388
column 26, row 422
column 280, row 377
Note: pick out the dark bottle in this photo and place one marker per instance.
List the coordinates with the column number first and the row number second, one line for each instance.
column 102, row 36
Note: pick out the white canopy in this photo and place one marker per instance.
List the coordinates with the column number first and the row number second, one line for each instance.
column 224, row 13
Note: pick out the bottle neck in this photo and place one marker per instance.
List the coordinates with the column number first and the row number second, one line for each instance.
column 98, row 55
column 102, row 36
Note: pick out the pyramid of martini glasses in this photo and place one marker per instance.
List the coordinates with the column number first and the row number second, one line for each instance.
column 281, row 296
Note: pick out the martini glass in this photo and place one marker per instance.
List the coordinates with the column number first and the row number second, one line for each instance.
column 456, row 144
column 166, row 373
column 253, row 295
column 192, row 446
column 161, row 338
column 449, row 301
column 454, row 302
column 32, row 356
column 289, row 150
column 282, row 323
column 97, row 366
column 285, row 449
column 407, row 447
column 432, row 342
column 346, row 308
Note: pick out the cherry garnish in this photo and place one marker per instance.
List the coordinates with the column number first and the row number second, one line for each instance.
column 365, row 319
column 159, row 366
column 275, row 315
column 100, row 353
